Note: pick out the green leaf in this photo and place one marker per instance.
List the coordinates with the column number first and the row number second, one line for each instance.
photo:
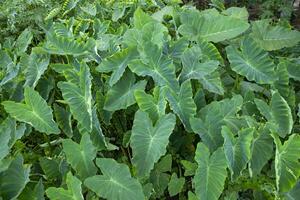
column 211, row 27
column 72, row 193
column 14, row 179
column 287, row 166
column 149, row 142
column 209, row 51
column 235, row 12
column 281, row 114
column 252, row 62
column 183, row 103
column 50, row 168
column 7, row 65
column 211, row 173
column 117, row 64
column 23, row 41
column 264, row 108
column 121, row 95
column 140, row 18
column 115, row 183
column 77, row 93
column 33, row 193
column 63, row 118
column 35, row 112
column 175, row 185
column 273, row 37
column 81, row 156
column 237, row 150
column 5, row 136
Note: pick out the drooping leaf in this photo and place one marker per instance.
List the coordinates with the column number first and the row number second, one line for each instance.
column 252, row 62
column 149, row 142
column 183, row 103
column 14, row 179
column 287, row 166
column 81, row 156
column 77, row 93
column 35, row 112
column 115, row 183
column 237, row 150
column 121, row 95
column 211, row 173
column 273, row 37
column 72, row 193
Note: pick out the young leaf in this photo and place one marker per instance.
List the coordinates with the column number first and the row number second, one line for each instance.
column 287, row 165
column 211, row 173
column 116, row 182
column 237, row 150
column 252, row 62
column 35, row 112
column 149, row 142
column 81, row 156
column 73, row 192
column 175, row 185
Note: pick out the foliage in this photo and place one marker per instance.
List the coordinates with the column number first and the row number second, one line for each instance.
column 147, row 100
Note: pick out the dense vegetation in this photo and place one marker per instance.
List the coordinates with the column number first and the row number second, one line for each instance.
column 145, row 99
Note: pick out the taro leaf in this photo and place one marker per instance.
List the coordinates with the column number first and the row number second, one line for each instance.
column 213, row 27
column 35, row 65
column 211, row 173
column 281, row 114
column 81, row 156
column 77, row 93
column 264, row 108
column 7, row 65
column 35, row 112
column 282, row 83
column 183, row 103
column 235, row 12
column 63, row 118
column 117, row 63
column 237, row 150
column 159, row 67
column 209, row 51
column 149, row 142
column 140, row 18
column 262, row 149
column 213, row 117
column 14, row 179
column 33, row 193
column 4, row 139
column 73, row 192
column 252, row 62
column 50, row 167
column 115, row 183
column 23, row 41
column 287, row 166
column 175, row 185
column 273, row 37
column 121, row 95
column 97, row 136
column 149, row 104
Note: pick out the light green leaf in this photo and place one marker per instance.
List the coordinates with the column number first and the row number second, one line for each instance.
column 4, row 139
column 235, row 12
column 149, row 142
column 211, row 173
column 287, row 166
column 273, row 37
column 251, row 62
column 140, row 18
column 14, row 179
column 77, row 93
column 264, row 108
column 209, row 51
column 237, row 150
column 81, row 156
column 23, row 41
column 116, row 182
column 175, row 185
column 281, row 114
column 35, row 112
column 7, row 65
column 121, row 95
column 73, row 192
column 183, row 103
column 117, row 64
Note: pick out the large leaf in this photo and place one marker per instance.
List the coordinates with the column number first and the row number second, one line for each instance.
column 14, row 179
column 73, row 192
column 273, row 37
column 149, row 142
column 281, row 114
column 115, row 183
column 35, row 112
column 183, row 103
column 121, row 95
column 211, row 173
column 237, row 150
column 77, row 93
column 81, row 156
column 212, row 26
column 287, row 165
column 252, row 62
column 117, row 64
